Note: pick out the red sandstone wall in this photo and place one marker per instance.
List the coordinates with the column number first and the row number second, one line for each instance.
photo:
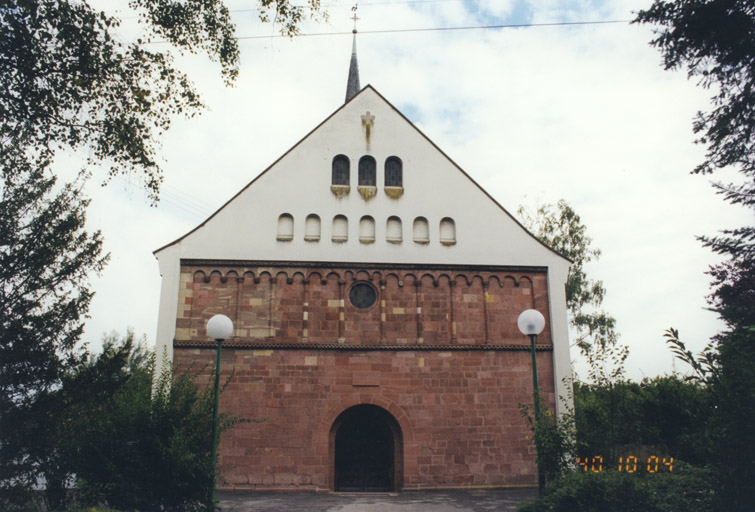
column 457, row 411
column 439, row 350
column 289, row 305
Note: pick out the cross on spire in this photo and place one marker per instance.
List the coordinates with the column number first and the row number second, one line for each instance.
column 352, row 84
column 355, row 18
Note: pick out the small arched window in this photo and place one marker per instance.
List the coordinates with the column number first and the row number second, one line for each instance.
column 393, row 230
column 367, row 172
column 421, row 231
column 340, row 229
column 312, row 228
column 394, row 172
column 285, row 227
column 341, row 170
column 367, row 230
column 447, row 231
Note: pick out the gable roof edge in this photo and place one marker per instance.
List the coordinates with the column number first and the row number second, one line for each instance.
column 268, row 168
column 458, row 167
column 368, row 86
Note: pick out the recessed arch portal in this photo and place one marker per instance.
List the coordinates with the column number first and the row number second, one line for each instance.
column 367, row 450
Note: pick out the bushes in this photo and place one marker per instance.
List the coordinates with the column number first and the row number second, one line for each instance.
column 662, row 416
column 146, row 446
column 117, row 436
column 665, row 412
column 554, row 439
column 145, row 449
column 686, row 489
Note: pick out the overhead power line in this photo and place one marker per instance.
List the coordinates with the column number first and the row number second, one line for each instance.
column 434, row 29
column 442, row 29
column 173, row 197
column 347, row 5
column 328, row 5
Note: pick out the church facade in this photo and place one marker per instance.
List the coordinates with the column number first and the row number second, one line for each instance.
column 374, row 289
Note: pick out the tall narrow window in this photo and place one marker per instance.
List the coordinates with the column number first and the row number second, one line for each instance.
column 394, row 173
column 367, row 171
column 393, row 230
column 285, row 227
column 367, row 230
column 394, row 177
column 341, row 170
column 340, row 229
column 367, row 188
column 421, row 231
column 312, row 228
column 447, row 231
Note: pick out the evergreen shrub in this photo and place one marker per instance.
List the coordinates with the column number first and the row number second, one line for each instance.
column 687, row 488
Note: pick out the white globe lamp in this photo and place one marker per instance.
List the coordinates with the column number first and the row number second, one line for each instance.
column 219, row 327
column 531, row 323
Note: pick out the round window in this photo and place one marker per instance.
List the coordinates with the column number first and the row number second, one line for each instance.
column 362, row 295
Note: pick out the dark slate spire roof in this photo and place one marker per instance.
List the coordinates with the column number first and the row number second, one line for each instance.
column 352, row 85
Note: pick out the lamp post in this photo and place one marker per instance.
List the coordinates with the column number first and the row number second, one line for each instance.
column 219, row 328
column 531, row 323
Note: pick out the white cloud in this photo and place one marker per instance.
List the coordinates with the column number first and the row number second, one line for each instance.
column 583, row 113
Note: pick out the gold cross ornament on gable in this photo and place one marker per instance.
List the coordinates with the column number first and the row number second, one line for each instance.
column 367, row 121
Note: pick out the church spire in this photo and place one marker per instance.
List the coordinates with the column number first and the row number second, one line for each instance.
column 352, row 84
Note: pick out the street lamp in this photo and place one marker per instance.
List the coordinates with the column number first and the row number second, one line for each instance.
column 531, row 323
column 219, row 328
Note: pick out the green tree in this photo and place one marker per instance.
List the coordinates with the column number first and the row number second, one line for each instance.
column 560, row 228
column 687, row 488
column 668, row 413
column 52, row 424
column 733, row 421
column 70, row 82
column 726, row 368
column 124, row 436
column 554, row 437
column 715, row 41
column 141, row 441
column 46, row 257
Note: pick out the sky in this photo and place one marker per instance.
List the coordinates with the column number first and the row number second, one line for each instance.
column 535, row 114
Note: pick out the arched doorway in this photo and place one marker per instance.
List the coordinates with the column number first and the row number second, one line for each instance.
column 368, row 446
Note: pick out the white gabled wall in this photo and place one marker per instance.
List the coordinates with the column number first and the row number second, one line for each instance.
column 299, row 184
column 170, row 272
